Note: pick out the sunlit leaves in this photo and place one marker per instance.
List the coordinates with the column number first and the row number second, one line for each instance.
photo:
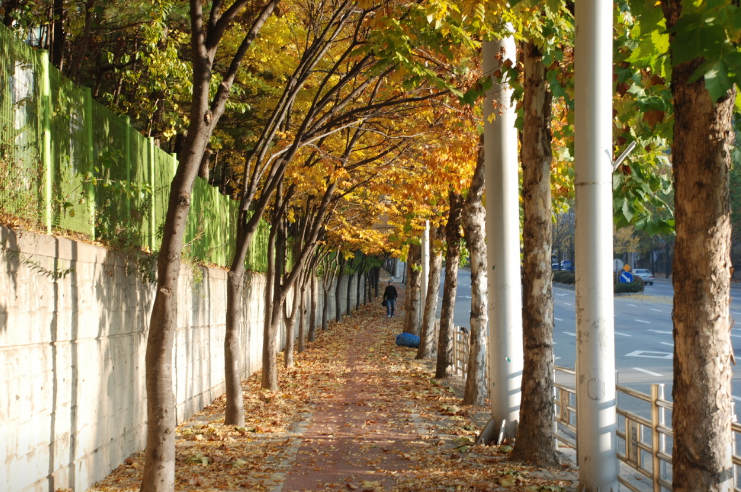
column 706, row 31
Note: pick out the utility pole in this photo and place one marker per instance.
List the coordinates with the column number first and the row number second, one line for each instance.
column 503, row 255
column 595, row 324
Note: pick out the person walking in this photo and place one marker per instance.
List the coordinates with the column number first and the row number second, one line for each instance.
column 390, row 295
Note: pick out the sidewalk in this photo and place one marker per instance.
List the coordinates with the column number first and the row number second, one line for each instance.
column 356, row 413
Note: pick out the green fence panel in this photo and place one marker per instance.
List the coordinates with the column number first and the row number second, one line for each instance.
column 211, row 232
column 71, row 156
column 164, row 167
column 113, row 223
column 140, row 204
column 94, row 174
column 20, row 153
column 257, row 254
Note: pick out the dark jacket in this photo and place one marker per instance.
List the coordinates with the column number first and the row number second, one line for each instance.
column 390, row 292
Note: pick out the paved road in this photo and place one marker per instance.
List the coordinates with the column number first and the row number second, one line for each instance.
column 643, row 334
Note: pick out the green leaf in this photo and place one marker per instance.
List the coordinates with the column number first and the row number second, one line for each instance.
column 720, row 73
column 717, row 82
column 627, row 209
column 694, row 37
column 649, row 12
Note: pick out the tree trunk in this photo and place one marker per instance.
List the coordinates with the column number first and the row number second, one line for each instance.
column 296, row 312
column 159, row 464
column 296, row 303
column 234, row 411
column 701, row 277
column 10, row 13
column 348, row 309
column 159, row 467
column 269, row 379
column 58, row 37
column 359, row 285
column 302, row 316
column 445, row 357
column 413, row 290
column 81, row 54
column 312, row 310
column 290, row 321
column 427, row 335
column 357, row 288
column 337, row 303
column 474, row 227
column 325, row 310
column 366, row 287
column 534, row 442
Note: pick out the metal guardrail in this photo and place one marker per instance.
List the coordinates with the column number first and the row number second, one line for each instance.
column 650, row 457
column 644, row 444
column 461, row 348
column 565, row 411
column 461, row 345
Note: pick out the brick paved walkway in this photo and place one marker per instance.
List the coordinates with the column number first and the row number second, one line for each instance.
column 361, row 432
column 366, row 439
column 370, row 419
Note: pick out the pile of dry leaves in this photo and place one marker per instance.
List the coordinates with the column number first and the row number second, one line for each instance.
column 258, row 456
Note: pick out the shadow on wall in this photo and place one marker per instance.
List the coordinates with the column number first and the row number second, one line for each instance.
column 123, row 301
column 194, row 355
column 12, row 263
column 10, row 249
column 73, row 327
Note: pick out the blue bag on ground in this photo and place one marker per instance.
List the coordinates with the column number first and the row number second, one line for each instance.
column 407, row 340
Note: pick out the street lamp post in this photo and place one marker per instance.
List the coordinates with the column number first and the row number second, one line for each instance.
column 505, row 348
column 595, row 325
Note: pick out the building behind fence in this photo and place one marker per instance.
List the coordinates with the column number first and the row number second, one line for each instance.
column 69, row 164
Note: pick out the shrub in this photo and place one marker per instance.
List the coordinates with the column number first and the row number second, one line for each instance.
column 564, row 277
column 634, row 286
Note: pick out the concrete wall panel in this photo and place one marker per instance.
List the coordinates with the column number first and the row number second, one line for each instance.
column 73, row 331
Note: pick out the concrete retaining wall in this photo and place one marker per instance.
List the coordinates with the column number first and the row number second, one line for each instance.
column 73, row 330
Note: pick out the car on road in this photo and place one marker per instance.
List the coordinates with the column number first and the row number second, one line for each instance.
column 567, row 265
column 646, row 275
column 555, row 266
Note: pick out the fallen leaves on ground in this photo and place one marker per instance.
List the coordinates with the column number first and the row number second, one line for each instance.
column 399, row 397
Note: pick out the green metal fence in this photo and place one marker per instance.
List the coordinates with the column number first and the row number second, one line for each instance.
column 69, row 163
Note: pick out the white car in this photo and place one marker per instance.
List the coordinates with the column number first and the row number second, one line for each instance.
column 646, row 275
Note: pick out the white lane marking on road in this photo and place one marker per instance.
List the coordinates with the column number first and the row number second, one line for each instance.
column 736, row 398
column 633, row 305
column 465, row 297
column 662, row 332
column 649, row 354
column 667, row 343
column 569, row 333
column 558, row 319
column 641, row 321
column 736, row 336
column 657, row 310
column 567, row 304
column 737, row 314
column 622, row 334
column 650, row 373
column 557, row 357
column 561, row 295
